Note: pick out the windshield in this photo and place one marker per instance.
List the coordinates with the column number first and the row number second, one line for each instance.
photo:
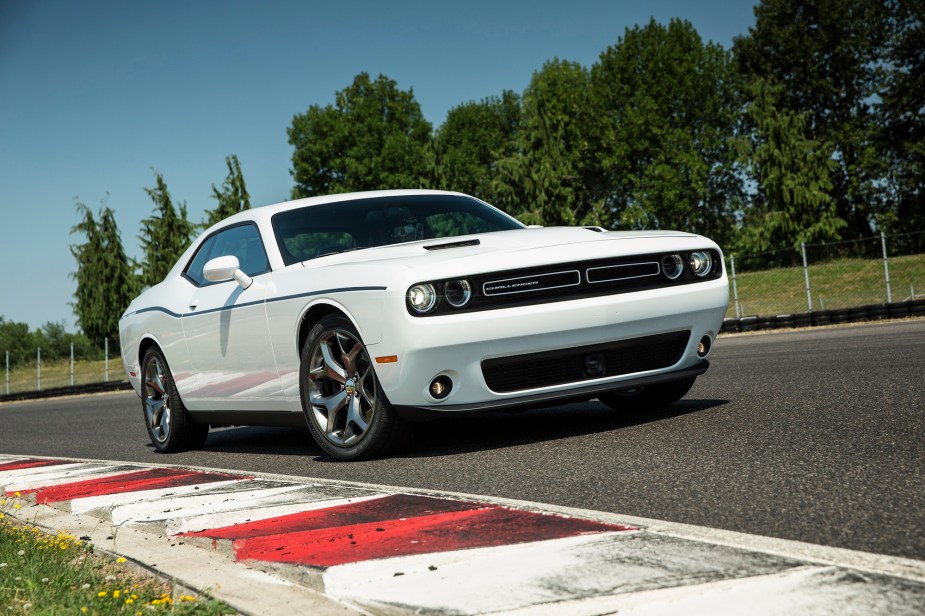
column 317, row 230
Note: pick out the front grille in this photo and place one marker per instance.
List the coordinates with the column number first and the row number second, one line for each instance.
column 575, row 364
column 566, row 281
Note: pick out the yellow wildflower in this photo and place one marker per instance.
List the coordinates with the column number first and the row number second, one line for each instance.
column 116, row 593
column 102, row 593
column 120, row 560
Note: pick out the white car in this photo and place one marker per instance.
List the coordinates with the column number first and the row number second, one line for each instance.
column 356, row 313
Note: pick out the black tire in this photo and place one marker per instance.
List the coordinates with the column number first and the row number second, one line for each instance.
column 170, row 426
column 345, row 408
column 648, row 398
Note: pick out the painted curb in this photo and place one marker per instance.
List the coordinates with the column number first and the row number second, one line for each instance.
column 273, row 544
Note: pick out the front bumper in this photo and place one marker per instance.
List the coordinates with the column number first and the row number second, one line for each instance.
column 456, row 345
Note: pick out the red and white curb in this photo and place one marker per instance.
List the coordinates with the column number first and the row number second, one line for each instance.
column 272, row 544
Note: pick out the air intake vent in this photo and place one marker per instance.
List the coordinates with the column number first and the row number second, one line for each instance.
column 452, row 245
column 572, row 365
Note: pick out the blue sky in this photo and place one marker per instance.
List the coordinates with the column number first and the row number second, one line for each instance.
column 96, row 95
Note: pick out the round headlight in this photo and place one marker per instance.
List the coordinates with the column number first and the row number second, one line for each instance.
column 457, row 293
column 422, row 298
column 701, row 263
column 672, row 266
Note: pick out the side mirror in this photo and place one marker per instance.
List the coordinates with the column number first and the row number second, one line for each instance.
column 225, row 268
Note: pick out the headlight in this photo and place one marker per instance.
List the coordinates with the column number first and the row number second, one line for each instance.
column 672, row 266
column 422, row 298
column 701, row 263
column 457, row 293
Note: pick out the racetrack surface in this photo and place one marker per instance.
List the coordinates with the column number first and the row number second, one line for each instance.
column 812, row 435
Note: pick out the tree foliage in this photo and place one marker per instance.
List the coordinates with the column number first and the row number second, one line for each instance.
column 471, row 141
column 22, row 344
column 665, row 107
column 544, row 181
column 105, row 278
column 827, row 58
column 903, row 118
column 792, row 202
column 233, row 196
column 373, row 137
column 164, row 236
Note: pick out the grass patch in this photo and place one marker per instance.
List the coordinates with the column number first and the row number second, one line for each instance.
column 58, row 374
column 44, row 574
column 834, row 284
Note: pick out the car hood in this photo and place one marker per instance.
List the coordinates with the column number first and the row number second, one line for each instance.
column 423, row 254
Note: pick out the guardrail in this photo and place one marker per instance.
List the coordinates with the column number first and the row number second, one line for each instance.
column 857, row 314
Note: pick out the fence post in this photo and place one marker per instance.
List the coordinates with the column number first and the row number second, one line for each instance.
column 38, row 362
column 8, row 373
column 735, row 289
column 72, row 364
column 886, row 269
column 106, row 346
column 809, row 295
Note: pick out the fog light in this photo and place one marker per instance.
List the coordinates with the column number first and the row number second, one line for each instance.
column 440, row 387
column 703, row 347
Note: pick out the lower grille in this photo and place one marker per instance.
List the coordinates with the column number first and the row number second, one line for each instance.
column 595, row 361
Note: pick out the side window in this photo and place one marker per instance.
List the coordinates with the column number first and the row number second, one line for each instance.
column 194, row 269
column 242, row 241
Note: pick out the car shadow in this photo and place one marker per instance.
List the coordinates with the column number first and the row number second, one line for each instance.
column 455, row 435
column 463, row 434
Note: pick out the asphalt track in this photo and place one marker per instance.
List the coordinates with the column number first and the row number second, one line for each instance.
column 812, row 435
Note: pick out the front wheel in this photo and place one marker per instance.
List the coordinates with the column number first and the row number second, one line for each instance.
column 170, row 426
column 648, row 397
column 346, row 411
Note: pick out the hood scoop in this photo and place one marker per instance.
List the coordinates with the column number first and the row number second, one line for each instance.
column 452, row 245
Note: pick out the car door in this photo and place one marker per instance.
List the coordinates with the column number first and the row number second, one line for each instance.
column 225, row 328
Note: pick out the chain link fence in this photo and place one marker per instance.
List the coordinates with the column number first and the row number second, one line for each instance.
column 84, row 367
column 881, row 277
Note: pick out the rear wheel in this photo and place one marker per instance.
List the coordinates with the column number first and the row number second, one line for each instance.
column 649, row 397
column 345, row 408
column 170, row 426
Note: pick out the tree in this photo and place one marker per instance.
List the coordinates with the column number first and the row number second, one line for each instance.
column 373, row 137
column 544, row 181
column 792, row 173
column 665, row 107
column 827, row 57
column 903, row 136
column 105, row 278
column 164, row 236
column 469, row 144
column 232, row 198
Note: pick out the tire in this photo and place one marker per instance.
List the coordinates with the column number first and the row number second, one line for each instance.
column 170, row 426
column 346, row 410
column 647, row 398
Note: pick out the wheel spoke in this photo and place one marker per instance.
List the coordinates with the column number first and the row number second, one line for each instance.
column 355, row 414
column 350, row 359
column 329, row 368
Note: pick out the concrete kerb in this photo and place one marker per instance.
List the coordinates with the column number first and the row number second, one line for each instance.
column 206, row 565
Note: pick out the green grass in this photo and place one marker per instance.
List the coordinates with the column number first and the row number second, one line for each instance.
column 43, row 574
column 834, row 284
column 58, row 374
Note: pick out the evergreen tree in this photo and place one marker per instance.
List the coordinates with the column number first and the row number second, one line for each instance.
column 903, row 119
column 664, row 108
column 474, row 137
column 232, row 198
column 373, row 137
column 792, row 172
column 106, row 283
column 164, row 236
column 827, row 57
column 544, row 181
